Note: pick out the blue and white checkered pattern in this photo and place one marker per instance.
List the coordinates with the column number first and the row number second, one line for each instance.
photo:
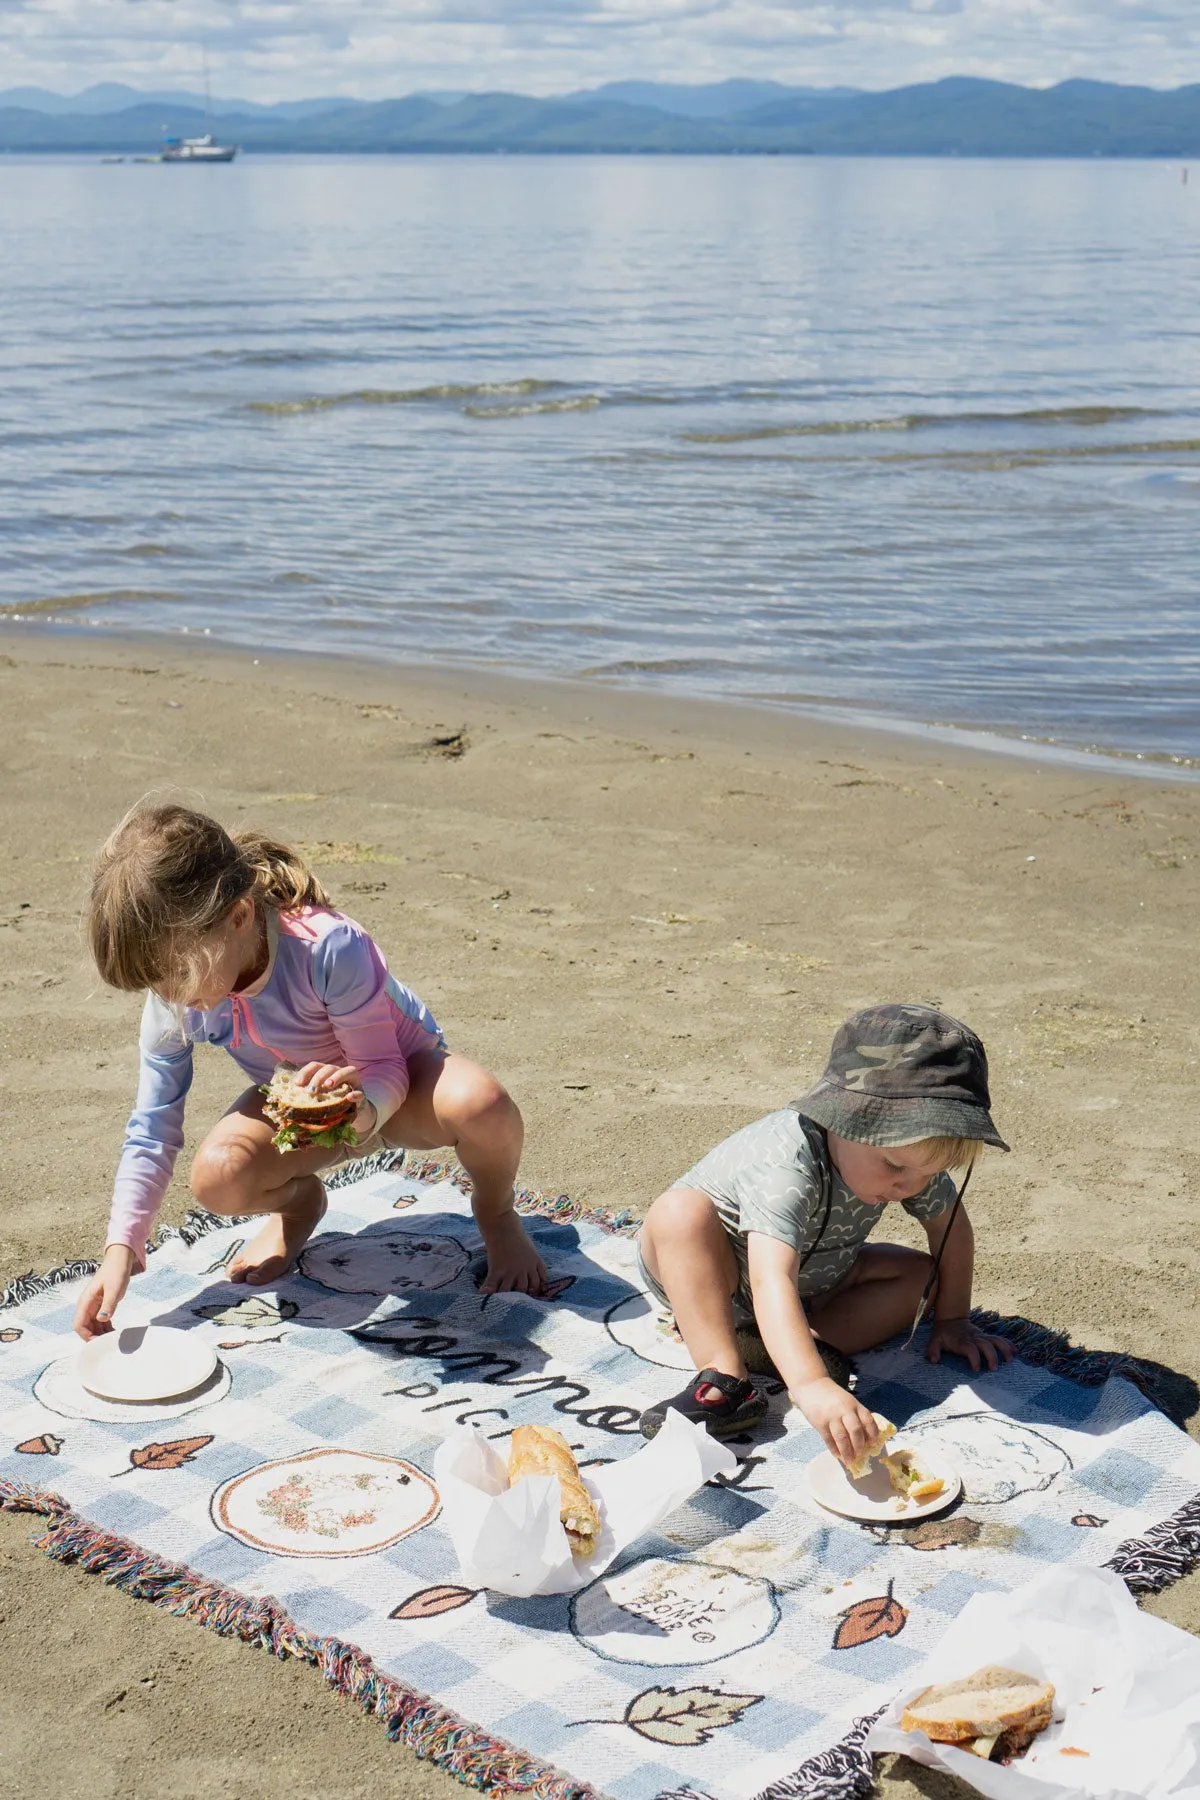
column 707, row 1659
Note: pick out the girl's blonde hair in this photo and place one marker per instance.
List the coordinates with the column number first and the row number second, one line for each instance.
column 166, row 878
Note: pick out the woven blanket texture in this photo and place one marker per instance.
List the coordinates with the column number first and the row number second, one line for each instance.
column 736, row 1653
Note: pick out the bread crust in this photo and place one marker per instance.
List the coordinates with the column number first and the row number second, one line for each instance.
column 540, row 1450
column 884, row 1430
column 991, row 1703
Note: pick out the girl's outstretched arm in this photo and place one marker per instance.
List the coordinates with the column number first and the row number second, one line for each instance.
column 153, row 1140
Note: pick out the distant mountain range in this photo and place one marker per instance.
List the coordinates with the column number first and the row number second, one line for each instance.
column 960, row 116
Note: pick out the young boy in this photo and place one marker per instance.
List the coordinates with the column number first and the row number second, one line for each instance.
column 774, row 1222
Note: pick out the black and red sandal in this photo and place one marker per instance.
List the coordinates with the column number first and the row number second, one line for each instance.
column 729, row 1407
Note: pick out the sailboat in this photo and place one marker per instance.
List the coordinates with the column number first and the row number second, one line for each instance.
column 199, row 149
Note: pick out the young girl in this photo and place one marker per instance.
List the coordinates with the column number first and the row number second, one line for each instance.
column 239, row 946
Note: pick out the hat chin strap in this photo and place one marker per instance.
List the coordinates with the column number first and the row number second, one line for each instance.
column 923, row 1302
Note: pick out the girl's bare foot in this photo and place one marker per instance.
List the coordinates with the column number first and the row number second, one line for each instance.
column 271, row 1253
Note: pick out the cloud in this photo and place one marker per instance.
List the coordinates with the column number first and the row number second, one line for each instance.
column 283, row 49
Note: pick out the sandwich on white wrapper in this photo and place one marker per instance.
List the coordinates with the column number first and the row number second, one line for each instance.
column 995, row 1713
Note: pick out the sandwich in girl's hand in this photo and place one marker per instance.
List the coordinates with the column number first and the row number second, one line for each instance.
column 303, row 1117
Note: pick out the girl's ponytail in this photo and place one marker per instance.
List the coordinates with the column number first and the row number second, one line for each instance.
column 283, row 881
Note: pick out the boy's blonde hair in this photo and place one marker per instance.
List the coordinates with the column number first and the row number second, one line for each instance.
column 166, row 878
column 946, row 1153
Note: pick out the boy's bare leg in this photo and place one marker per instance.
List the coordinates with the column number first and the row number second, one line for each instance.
column 238, row 1170
column 875, row 1300
column 685, row 1248
column 454, row 1104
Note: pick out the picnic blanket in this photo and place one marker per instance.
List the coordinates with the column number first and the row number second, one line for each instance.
column 739, row 1651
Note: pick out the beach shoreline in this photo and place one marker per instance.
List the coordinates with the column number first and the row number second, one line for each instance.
column 722, row 717
column 647, row 914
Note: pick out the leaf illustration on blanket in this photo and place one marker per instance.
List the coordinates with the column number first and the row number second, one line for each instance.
column 252, row 1314
column 555, row 1289
column 226, row 1257
column 685, row 1717
column 433, row 1600
column 942, row 1534
column 867, row 1620
column 10, row 1334
column 166, row 1456
column 47, row 1445
column 1088, row 1519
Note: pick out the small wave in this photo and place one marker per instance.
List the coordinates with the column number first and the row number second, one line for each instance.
column 1081, row 416
column 22, row 609
column 148, row 549
column 665, row 665
column 448, row 390
column 526, row 408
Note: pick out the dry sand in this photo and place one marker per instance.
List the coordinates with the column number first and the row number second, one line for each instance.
column 648, row 916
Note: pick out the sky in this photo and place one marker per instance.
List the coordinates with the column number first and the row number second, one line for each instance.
column 289, row 49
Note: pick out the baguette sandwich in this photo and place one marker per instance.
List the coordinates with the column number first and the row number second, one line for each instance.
column 995, row 1713
column 302, row 1118
column 540, row 1450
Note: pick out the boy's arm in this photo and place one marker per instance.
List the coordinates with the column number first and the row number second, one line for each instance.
column 846, row 1426
column 952, row 1328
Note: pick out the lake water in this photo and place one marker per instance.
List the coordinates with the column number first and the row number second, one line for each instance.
column 916, row 437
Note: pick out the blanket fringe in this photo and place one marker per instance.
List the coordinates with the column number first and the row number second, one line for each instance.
column 844, row 1772
column 1053, row 1350
column 411, row 1718
column 1169, row 1551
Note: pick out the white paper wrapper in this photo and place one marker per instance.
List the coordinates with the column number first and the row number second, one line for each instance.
column 510, row 1539
column 1127, row 1691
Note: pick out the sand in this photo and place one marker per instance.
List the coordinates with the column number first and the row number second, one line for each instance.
column 648, row 916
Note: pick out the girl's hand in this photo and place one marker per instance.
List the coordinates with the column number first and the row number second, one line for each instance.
column 960, row 1338
column 846, row 1426
column 104, row 1292
column 319, row 1076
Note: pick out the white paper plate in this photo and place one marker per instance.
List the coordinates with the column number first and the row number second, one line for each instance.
column 146, row 1362
column 872, row 1498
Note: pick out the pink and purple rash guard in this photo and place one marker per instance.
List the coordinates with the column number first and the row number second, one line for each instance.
column 325, row 996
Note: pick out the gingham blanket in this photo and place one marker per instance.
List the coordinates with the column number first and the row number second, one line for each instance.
column 735, row 1653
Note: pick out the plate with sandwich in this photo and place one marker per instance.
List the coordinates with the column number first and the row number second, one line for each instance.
column 303, row 1119
column 884, row 1485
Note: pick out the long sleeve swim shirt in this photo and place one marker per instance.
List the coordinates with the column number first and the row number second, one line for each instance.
column 326, row 995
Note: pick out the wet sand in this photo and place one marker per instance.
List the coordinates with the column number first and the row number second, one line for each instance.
column 648, row 916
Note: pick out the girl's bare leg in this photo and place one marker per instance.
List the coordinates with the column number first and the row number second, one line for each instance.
column 455, row 1104
column 685, row 1248
column 238, row 1170
column 875, row 1300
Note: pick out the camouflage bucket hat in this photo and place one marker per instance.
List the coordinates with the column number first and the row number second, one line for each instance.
column 897, row 1074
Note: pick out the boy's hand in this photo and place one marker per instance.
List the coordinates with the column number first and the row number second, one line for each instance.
column 959, row 1337
column 846, row 1426
column 513, row 1264
column 104, row 1292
